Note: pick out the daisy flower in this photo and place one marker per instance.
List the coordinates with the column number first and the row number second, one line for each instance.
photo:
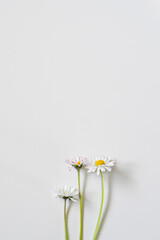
column 77, row 162
column 100, row 164
column 67, row 192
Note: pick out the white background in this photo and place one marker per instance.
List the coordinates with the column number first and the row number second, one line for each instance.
column 79, row 77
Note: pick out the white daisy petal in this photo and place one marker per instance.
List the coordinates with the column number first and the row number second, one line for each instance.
column 98, row 171
column 102, row 169
column 74, row 200
column 108, row 169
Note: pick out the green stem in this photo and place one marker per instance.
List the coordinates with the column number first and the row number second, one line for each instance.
column 100, row 211
column 80, row 206
column 65, row 221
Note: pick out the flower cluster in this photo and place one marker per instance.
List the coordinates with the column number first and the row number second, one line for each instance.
column 97, row 165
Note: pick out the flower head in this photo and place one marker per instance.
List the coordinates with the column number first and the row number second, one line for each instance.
column 77, row 162
column 67, row 192
column 100, row 163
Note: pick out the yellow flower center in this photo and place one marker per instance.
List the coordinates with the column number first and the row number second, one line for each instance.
column 77, row 163
column 99, row 162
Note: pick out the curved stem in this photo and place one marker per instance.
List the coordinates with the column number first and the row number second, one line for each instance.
column 80, row 206
column 65, row 221
column 100, row 211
